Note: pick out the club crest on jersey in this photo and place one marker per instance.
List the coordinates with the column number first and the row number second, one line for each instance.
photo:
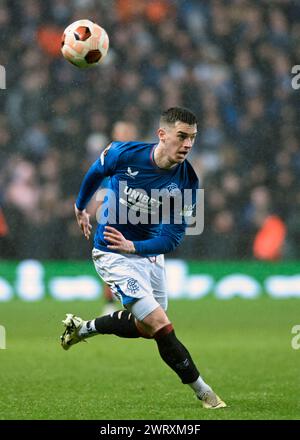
column 133, row 285
column 173, row 189
column 131, row 173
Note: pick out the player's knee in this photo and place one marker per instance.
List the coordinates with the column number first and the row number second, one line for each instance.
column 156, row 321
column 148, row 331
column 159, row 326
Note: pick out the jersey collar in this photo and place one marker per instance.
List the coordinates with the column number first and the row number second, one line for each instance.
column 154, row 164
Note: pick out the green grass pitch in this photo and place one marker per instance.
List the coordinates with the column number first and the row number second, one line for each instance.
column 243, row 349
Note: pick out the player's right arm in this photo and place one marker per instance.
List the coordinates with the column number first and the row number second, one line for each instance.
column 92, row 180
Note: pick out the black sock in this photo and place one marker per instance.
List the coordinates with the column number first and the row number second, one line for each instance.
column 174, row 353
column 120, row 323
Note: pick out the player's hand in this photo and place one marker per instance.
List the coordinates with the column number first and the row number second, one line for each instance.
column 118, row 241
column 83, row 220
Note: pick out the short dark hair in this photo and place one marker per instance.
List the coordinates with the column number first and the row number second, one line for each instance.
column 175, row 114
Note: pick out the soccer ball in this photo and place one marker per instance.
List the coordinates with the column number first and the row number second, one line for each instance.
column 84, row 43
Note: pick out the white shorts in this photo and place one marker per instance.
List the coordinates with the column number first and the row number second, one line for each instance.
column 138, row 282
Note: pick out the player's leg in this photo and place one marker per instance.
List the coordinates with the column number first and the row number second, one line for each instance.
column 154, row 325
column 175, row 354
column 172, row 351
column 144, row 317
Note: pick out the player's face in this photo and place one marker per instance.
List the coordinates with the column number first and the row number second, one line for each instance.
column 178, row 140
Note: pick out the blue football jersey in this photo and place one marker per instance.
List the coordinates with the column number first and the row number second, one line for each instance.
column 136, row 194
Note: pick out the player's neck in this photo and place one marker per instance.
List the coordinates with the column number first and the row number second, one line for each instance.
column 161, row 158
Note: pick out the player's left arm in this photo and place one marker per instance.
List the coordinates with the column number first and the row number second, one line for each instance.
column 169, row 239
column 118, row 241
column 101, row 168
column 171, row 236
column 172, row 233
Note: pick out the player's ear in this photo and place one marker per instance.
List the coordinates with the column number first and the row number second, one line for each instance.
column 161, row 133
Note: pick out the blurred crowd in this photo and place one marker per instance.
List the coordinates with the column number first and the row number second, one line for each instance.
column 229, row 61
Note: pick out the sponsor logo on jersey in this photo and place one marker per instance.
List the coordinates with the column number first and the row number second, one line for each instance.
column 139, row 200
